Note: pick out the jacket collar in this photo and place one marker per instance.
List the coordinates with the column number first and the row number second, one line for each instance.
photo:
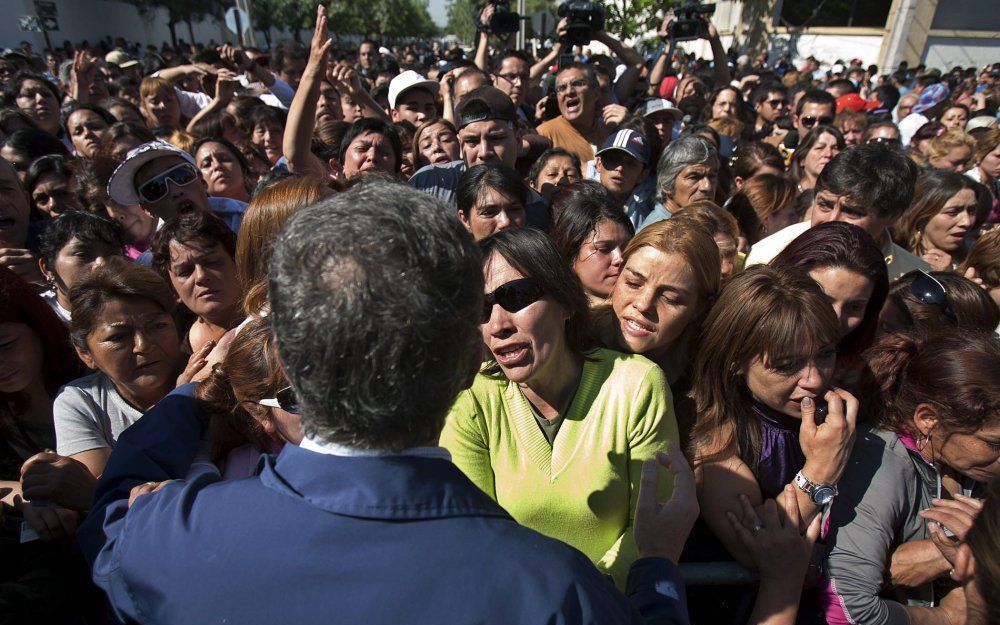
column 379, row 487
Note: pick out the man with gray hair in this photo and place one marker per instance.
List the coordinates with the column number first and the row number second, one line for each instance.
column 376, row 302
column 688, row 170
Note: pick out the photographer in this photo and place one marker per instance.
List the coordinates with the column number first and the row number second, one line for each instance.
column 706, row 31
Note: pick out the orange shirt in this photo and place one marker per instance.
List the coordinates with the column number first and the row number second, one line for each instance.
column 563, row 135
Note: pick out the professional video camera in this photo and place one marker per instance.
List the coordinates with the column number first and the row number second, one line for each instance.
column 689, row 23
column 583, row 19
column 504, row 20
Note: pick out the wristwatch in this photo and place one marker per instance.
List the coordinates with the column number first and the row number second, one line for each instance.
column 821, row 494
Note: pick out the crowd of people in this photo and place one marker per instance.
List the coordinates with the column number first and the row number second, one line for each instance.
column 419, row 335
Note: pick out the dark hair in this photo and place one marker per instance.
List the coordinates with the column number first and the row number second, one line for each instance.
column 242, row 160
column 752, row 156
column 49, row 164
column 264, row 114
column 795, row 169
column 534, row 255
column 20, row 303
column 888, row 96
column 494, row 176
column 588, row 71
column 198, row 228
column 108, row 118
column 118, row 278
column 933, row 190
column 378, row 278
column 762, row 91
column 13, row 86
column 35, row 143
column 842, row 245
column 870, row 130
column 213, row 125
column 543, row 160
column 975, row 310
column 984, row 540
column 816, row 96
column 119, row 86
column 842, row 83
column 953, row 370
column 376, row 125
column 86, row 227
column 289, row 50
column 878, row 179
column 577, row 210
column 741, row 105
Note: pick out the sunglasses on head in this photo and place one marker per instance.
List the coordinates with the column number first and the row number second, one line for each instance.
column 284, row 399
column 156, row 188
column 512, row 296
column 889, row 141
column 928, row 290
column 809, row 122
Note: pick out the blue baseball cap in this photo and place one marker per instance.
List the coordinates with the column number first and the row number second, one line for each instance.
column 630, row 141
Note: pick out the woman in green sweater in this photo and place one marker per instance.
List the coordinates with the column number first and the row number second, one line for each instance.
column 553, row 429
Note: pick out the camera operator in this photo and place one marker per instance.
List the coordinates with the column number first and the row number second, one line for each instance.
column 709, row 32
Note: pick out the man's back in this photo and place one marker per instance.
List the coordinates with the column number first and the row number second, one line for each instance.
column 318, row 538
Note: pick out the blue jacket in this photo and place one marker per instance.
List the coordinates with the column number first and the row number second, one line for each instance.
column 330, row 539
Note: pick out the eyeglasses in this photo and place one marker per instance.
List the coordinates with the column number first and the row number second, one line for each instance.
column 928, row 290
column 777, row 103
column 889, row 141
column 512, row 296
column 155, row 189
column 579, row 83
column 512, row 78
column 284, row 399
column 809, row 122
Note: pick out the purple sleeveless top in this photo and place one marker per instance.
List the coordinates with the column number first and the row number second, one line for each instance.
column 780, row 455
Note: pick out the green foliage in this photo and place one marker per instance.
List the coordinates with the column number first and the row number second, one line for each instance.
column 634, row 18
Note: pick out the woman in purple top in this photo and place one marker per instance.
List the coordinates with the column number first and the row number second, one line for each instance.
column 765, row 362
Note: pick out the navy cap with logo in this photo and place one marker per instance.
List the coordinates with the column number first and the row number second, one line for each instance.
column 629, row 141
column 483, row 104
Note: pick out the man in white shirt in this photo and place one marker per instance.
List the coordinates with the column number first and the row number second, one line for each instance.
column 869, row 186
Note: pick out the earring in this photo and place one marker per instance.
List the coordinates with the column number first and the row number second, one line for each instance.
column 921, row 442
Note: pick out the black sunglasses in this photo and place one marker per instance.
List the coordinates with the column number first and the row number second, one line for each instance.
column 928, row 290
column 809, row 122
column 889, row 141
column 156, row 188
column 284, row 399
column 512, row 296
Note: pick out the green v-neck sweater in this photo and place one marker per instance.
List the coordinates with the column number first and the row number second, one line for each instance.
column 583, row 488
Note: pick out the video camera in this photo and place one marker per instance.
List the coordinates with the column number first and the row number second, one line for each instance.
column 689, row 23
column 503, row 21
column 583, row 19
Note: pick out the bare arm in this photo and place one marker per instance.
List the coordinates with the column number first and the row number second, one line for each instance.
column 632, row 60
column 82, row 76
column 917, row 562
column 225, row 88
column 660, row 67
column 297, row 140
column 346, row 78
column 721, row 64
column 543, row 64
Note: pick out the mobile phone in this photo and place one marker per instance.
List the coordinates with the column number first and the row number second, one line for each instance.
column 822, row 409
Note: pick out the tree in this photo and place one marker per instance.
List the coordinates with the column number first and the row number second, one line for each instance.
column 627, row 19
column 464, row 14
column 178, row 11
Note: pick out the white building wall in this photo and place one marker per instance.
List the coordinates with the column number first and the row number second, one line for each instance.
column 947, row 52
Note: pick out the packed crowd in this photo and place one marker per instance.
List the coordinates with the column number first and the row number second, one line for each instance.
column 397, row 335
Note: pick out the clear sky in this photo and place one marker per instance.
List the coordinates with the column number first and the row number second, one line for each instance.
column 439, row 12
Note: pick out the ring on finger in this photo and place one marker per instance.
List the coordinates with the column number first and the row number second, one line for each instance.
column 756, row 528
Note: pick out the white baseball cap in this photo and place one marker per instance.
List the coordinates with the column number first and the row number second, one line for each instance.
column 410, row 80
column 659, row 104
column 121, row 186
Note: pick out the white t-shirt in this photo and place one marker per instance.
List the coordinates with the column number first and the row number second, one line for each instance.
column 90, row 414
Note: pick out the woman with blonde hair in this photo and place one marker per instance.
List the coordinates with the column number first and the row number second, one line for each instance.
column 765, row 361
column 264, row 217
column 159, row 104
column 944, row 211
column 669, row 278
column 951, row 151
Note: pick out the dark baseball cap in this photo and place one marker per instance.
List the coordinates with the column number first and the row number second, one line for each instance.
column 628, row 141
column 483, row 104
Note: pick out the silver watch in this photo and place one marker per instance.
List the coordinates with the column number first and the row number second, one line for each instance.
column 821, row 494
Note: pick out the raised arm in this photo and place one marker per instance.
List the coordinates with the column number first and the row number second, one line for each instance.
column 225, row 88
column 721, row 64
column 82, row 76
column 625, row 84
column 344, row 77
column 297, row 140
